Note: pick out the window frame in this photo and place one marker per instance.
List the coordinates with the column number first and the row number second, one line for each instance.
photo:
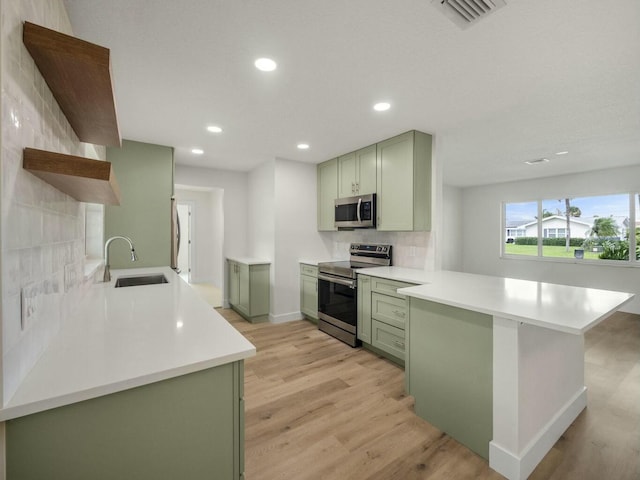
column 630, row 262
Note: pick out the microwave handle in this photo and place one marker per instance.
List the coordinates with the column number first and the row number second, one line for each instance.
column 359, row 206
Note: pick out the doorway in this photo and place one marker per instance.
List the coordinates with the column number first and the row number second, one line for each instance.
column 204, row 242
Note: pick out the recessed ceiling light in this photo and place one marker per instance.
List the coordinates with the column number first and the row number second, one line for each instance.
column 214, row 129
column 537, row 161
column 265, row 64
column 197, row 151
column 382, row 106
column 303, row 146
column 562, row 153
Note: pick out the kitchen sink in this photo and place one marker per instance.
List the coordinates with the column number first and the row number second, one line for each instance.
column 141, row 280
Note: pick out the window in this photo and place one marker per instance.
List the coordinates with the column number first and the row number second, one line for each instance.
column 596, row 228
column 521, row 231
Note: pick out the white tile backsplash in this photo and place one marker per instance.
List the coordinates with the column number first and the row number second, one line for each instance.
column 410, row 249
column 43, row 239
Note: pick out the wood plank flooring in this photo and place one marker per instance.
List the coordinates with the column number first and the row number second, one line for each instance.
column 318, row 409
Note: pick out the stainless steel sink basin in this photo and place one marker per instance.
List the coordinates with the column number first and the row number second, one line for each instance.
column 137, row 280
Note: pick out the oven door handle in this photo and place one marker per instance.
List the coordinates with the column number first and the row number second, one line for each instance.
column 340, row 281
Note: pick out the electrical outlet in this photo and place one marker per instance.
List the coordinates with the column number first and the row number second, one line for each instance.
column 29, row 304
column 412, row 251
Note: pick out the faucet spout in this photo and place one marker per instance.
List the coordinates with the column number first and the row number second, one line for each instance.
column 107, row 271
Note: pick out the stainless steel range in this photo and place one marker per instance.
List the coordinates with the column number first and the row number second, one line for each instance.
column 337, row 290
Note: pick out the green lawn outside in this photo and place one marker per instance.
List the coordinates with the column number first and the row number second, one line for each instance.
column 547, row 251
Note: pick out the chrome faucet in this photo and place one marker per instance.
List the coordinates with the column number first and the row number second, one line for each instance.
column 107, row 271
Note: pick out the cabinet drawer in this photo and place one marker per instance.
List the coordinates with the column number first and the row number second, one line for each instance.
column 388, row 287
column 308, row 270
column 388, row 309
column 387, row 338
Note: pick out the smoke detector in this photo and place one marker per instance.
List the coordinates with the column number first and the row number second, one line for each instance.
column 465, row 13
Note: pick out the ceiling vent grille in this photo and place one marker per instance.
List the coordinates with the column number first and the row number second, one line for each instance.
column 465, row 13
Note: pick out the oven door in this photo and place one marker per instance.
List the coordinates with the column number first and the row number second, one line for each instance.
column 338, row 302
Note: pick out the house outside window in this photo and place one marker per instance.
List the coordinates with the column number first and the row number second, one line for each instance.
column 601, row 228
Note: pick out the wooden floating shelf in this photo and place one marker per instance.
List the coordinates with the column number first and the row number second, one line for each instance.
column 86, row 180
column 79, row 76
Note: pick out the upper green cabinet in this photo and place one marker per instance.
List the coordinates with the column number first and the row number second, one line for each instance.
column 404, row 183
column 398, row 170
column 327, row 193
column 357, row 172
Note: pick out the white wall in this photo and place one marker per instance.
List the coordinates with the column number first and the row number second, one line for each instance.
column 296, row 235
column 451, row 240
column 234, row 185
column 261, row 213
column 482, row 212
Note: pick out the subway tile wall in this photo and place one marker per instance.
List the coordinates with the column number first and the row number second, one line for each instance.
column 410, row 249
column 43, row 230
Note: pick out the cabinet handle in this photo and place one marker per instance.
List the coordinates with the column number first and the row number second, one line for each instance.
column 399, row 313
column 357, row 187
column 398, row 343
column 353, row 187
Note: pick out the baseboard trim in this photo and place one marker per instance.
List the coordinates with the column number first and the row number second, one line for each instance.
column 285, row 317
column 519, row 467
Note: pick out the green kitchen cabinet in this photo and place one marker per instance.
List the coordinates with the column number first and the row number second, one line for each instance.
column 145, row 177
column 190, row 426
column 382, row 315
column 450, row 371
column 249, row 289
column 364, row 308
column 357, row 172
column 327, row 173
column 404, row 183
column 309, row 291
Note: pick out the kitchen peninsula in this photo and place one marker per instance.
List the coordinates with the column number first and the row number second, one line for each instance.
column 140, row 382
column 498, row 363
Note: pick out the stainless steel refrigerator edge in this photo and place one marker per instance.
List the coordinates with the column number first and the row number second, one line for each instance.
column 175, row 234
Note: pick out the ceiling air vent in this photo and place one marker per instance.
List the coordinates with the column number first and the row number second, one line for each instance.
column 465, row 13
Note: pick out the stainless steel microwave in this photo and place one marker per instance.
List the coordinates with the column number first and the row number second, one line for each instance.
column 356, row 212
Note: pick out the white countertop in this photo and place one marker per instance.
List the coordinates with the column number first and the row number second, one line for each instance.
column 316, row 262
column 558, row 307
column 120, row 338
column 250, row 260
column 402, row 274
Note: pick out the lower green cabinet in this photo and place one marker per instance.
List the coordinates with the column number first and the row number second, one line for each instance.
column 382, row 314
column 249, row 289
column 189, row 426
column 309, row 291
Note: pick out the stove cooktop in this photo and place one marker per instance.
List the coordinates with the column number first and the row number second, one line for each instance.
column 362, row 256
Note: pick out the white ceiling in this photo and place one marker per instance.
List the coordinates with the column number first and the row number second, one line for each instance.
column 531, row 79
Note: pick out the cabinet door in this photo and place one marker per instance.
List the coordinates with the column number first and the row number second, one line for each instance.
column 388, row 309
column 327, row 193
column 366, row 170
column 309, row 296
column 388, row 339
column 347, row 175
column 395, row 183
column 234, row 285
column 364, row 308
column 244, row 290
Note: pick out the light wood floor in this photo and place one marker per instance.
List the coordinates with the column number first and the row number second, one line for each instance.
column 318, row 409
